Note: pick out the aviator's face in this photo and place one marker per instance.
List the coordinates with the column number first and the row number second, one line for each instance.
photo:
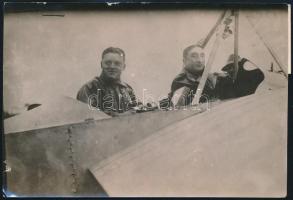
column 113, row 64
column 195, row 60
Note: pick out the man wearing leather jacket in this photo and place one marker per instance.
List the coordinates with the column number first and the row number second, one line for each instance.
column 108, row 92
column 218, row 85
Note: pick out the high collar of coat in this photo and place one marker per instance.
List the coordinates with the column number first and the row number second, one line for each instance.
column 111, row 82
column 193, row 77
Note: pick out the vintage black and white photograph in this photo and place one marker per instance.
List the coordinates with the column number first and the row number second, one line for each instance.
column 145, row 102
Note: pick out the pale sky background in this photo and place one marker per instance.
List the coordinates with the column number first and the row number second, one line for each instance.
column 47, row 56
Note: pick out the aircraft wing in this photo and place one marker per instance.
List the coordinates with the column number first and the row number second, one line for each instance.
column 236, row 149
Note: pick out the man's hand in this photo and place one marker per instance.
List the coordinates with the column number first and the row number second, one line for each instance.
column 221, row 75
column 165, row 103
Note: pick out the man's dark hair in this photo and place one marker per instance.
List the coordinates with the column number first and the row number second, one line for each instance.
column 189, row 48
column 114, row 50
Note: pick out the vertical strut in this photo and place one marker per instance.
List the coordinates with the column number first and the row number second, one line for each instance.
column 236, row 40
